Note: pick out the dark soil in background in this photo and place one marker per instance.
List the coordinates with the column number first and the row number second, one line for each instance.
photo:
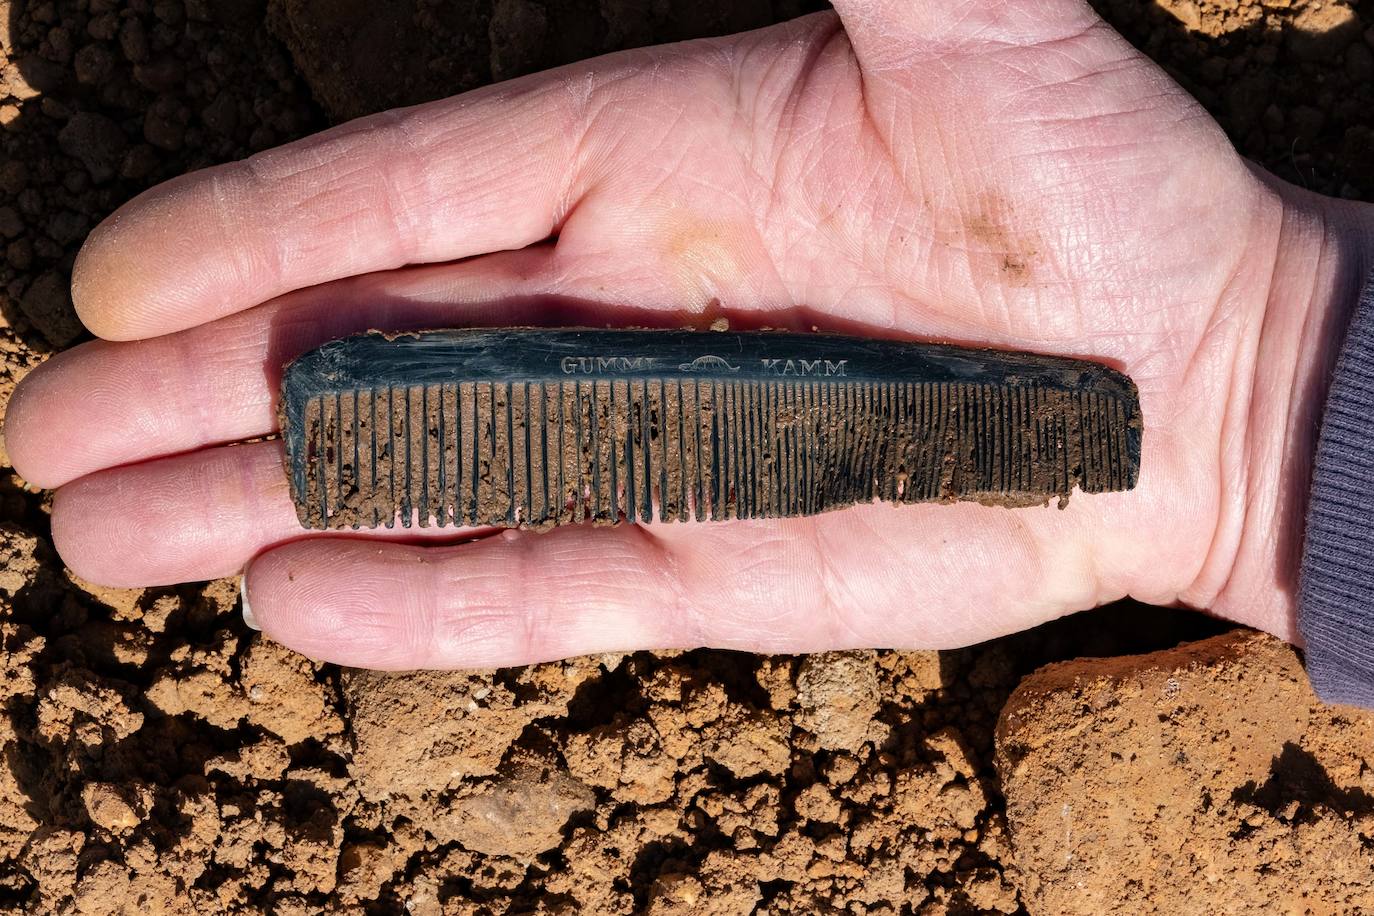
column 158, row 757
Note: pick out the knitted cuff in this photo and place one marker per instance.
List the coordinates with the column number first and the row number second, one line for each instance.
column 1336, row 582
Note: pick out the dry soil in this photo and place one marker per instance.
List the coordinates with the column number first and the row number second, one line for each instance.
column 160, row 758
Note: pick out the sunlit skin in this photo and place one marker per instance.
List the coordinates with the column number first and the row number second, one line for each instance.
column 986, row 172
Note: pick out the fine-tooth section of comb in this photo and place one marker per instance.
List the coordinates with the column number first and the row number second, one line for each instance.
column 538, row 428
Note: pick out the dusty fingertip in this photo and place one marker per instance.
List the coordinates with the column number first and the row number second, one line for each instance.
column 84, row 295
column 98, row 274
column 87, row 301
column 248, row 618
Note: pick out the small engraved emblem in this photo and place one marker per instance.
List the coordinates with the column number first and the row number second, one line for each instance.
column 706, row 364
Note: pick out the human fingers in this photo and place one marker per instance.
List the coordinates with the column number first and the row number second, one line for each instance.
column 890, row 34
column 490, row 170
column 929, row 576
column 183, row 519
column 104, row 403
column 659, row 141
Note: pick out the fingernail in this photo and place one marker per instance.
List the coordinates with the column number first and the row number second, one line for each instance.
column 248, row 617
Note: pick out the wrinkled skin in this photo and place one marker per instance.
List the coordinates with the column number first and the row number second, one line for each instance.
column 996, row 173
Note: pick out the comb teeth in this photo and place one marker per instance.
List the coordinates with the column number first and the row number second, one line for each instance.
column 684, row 444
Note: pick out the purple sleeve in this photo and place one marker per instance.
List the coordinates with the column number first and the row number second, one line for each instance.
column 1336, row 584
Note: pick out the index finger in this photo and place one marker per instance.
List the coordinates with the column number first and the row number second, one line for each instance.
column 487, row 171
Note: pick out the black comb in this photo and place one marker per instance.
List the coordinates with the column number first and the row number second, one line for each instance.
column 525, row 427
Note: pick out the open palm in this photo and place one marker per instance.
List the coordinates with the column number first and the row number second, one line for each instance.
column 995, row 173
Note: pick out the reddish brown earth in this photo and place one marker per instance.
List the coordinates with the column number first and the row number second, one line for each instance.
column 160, row 758
column 1131, row 788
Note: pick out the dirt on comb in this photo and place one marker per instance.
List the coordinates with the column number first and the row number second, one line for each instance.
column 538, row 428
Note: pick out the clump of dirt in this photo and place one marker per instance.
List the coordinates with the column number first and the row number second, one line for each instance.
column 156, row 756
column 1206, row 778
column 838, row 698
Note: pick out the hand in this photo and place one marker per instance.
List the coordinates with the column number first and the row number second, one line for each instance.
column 985, row 172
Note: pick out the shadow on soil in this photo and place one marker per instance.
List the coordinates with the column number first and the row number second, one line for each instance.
column 1296, row 776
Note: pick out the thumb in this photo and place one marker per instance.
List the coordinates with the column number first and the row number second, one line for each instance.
column 892, row 34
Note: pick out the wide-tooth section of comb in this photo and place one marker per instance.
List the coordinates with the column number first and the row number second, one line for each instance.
column 541, row 428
